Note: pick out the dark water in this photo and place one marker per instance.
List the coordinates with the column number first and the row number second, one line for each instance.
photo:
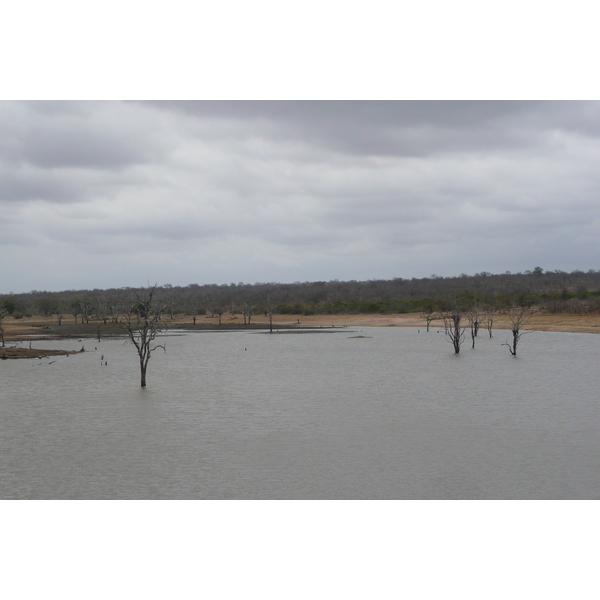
column 306, row 416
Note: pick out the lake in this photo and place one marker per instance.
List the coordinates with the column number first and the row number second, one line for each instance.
column 324, row 415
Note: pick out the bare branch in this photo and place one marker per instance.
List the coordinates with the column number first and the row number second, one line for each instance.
column 518, row 319
column 142, row 322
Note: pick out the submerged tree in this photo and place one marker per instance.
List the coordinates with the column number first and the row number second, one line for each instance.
column 143, row 322
column 429, row 314
column 455, row 332
column 473, row 314
column 517, row 318
column 490, row 320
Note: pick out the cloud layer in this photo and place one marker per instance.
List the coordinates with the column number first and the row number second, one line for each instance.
column 111, row 194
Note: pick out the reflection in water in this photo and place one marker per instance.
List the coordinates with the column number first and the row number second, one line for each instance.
column 393, row 414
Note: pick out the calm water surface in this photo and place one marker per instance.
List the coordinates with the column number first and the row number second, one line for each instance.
column 306, row 416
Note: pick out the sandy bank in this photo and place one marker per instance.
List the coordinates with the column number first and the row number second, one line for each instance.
column 537, row 322
column 34, row 327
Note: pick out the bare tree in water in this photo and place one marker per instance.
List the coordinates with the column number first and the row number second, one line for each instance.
column 429, row 315
column 455, row 331
column 473, row 314
column 143, row 322
column 518, row 320
column 490, row 320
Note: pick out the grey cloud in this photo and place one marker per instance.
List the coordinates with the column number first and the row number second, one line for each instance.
column 18, row 186
column 98, row 135
column 260, row 191
column 405, row 128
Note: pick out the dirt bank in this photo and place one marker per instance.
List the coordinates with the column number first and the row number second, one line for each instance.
column 31, row 353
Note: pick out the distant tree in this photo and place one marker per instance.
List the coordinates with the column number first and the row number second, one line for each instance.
column 429, row 314
column 210, row 303
column 113, row 311
column 197, row 309
column 46, row 305
column 60, row 311
column 232, row 309
column 103, row 309
column 219, row 311
column 3, row 313
column 248, row 310
column 143, row 322
column 10, row 304
column 518, row 320
column 87, row 309
column 271, row 306
column 76, row 309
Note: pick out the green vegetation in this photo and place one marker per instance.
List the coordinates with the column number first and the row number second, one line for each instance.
column 550, row 291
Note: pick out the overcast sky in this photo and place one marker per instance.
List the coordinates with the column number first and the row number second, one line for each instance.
column 112, row 194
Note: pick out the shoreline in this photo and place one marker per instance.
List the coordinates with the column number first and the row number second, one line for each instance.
column 47, row 327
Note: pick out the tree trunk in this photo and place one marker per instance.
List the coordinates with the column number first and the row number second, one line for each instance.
column 456, row 343
column 513, row 350
column 143, row 372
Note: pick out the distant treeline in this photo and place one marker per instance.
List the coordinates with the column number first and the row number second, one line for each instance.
column 552, row 291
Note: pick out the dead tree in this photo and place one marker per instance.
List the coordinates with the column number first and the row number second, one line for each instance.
column 271, row 307
column 60, row 311
column 454, row 330
column 219, row 311
column 87, row 308
column 210, row 304
column 248, row 310
column 143, row 322
column 490, row 321
column 473, row 314
column 518, row 320
column 232, row 309
column 429, row 315
column 102, row 310
column 76, row 309
column 196, row 310
column 3, row 313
